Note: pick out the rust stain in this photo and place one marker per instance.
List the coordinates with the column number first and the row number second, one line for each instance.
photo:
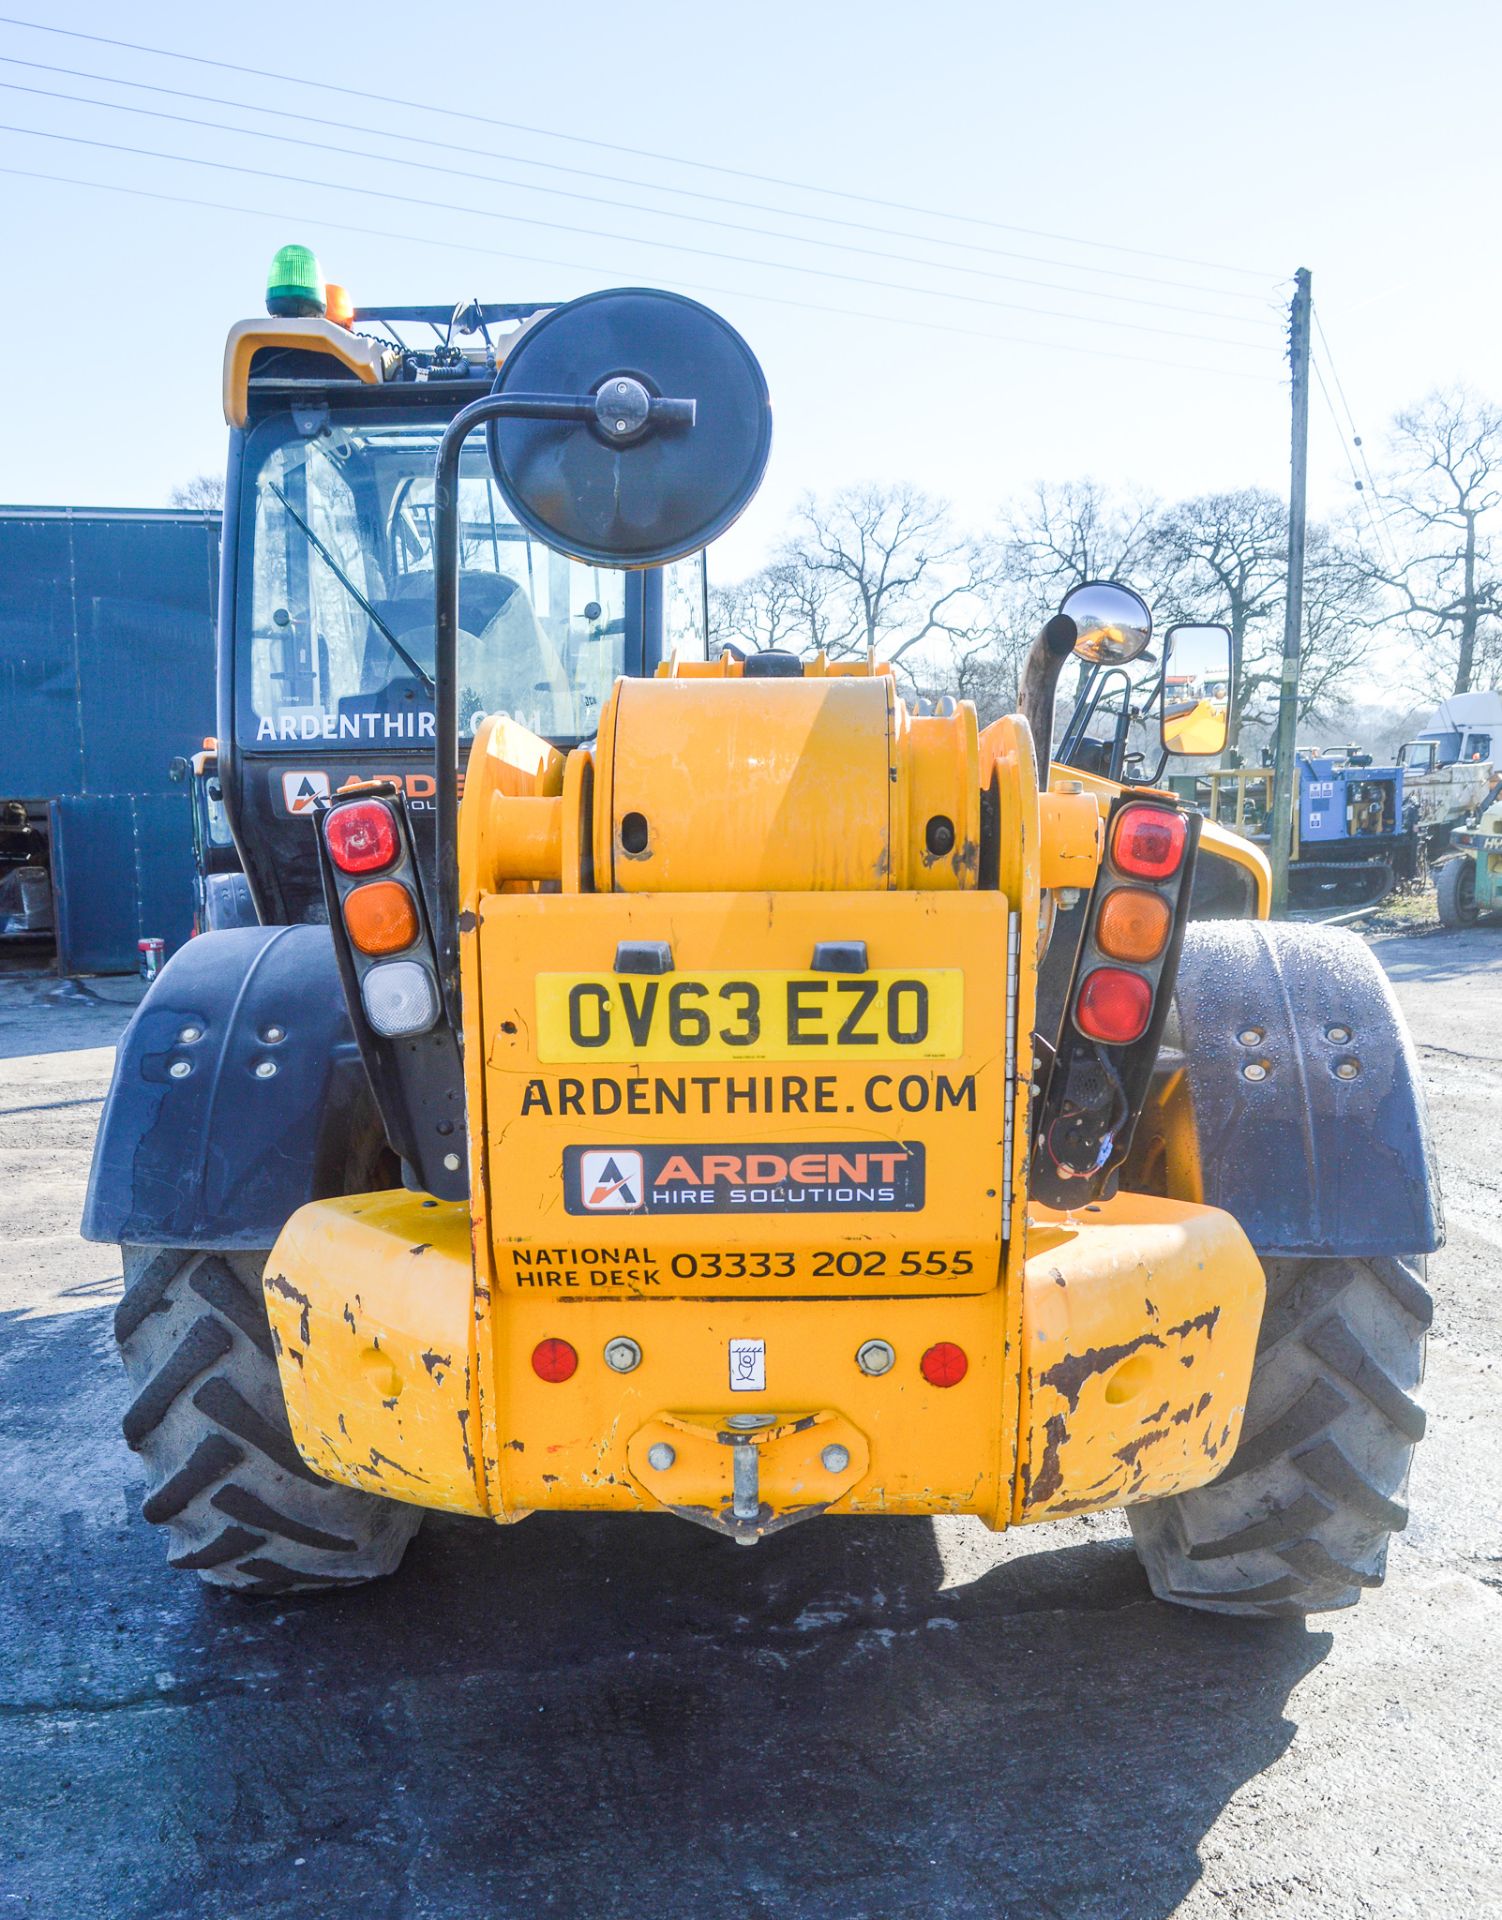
column 1128, row 1454
column 469, row 1458
column 1050, row 1471
column 516, row 1446
column 1204, row 1322
column 423, row 1246
column 379, row 1460
column 432, row 1361
column 467, row 921
column 276, row 1283
column 1152, row 1419
column 1182, row 1417
column 1068, row 1376
column 349, row 1318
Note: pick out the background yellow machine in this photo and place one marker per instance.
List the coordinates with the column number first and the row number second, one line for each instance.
column 791, row 1102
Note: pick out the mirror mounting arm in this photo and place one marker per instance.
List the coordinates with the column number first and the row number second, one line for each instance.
column 624, row 412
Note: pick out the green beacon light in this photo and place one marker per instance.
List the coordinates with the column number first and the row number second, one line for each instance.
column 294, row 287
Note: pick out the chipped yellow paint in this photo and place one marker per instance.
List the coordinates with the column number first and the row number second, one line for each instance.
column 1139, row 1330
column 370, row 1304
column 1108, row 1354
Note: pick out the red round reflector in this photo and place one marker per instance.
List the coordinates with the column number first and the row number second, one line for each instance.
column 554, row 1360
column 1113, row 1006
column 944, row 1365
column 1148, row 842
column 361, row 836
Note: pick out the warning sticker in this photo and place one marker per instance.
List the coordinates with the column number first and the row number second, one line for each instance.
column 748, row 1366
column 300, row 790
column 845, row 1178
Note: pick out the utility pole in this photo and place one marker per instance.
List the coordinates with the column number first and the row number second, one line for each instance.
column 1285, row 781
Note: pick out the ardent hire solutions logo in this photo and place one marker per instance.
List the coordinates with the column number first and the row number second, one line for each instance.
column 856, row 1176
column 610, row 1180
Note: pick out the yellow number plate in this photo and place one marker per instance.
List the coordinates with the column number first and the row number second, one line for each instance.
column 884, row 1015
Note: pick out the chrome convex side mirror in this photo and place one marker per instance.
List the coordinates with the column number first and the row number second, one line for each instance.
column 1113, row 622
column 1197, row 674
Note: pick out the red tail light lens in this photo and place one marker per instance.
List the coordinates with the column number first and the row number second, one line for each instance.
column 944, row 1365
column 554, row 1360
column 1113, row 1006
column 361, row 836
column 1148, row 842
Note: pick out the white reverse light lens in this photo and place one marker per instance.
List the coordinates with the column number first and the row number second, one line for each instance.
column 400, row 997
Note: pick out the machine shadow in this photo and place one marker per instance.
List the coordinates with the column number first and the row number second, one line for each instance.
column 602, row 1717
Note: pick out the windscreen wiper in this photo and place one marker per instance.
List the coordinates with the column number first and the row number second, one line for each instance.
column 354, row 592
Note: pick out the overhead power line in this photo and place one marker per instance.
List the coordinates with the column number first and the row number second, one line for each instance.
column 661, row 213
column 574, row 266
column 597, row 233
column 664, row 213
column 450, row 112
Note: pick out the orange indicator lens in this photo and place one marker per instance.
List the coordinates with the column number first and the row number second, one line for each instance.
column 381, row 917
column 1133, row 924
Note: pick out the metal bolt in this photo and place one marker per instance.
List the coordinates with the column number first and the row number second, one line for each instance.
column 620, row 426
column 1250, row 1036
column 189, row 1035
column 620, row 386
column 660, row 1456
column 273, row 1036
column 180, row 1069
column 451, row 1161
column 836, row 1458
column 1254, row 1070
column 1338, row 1036
column 1347, row 1069
column 750, row 1422
column 876, row 1356
column 622, row 1355
column 265, row 1069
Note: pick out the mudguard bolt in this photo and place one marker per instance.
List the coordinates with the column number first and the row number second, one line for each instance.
column 265, row 1069
column 273, row 1036
column 1254, row 1070
column 876, row 1356
column 1250, row 1036
column 451, row 1161
column 660, row 1456
column 1338, row 1036
column 622, row 1355
column 189, row 1035
column 180, row 1069
column 836, row 1458
column 1347, row 1069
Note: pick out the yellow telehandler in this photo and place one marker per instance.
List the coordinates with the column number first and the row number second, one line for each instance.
column 754, row 1098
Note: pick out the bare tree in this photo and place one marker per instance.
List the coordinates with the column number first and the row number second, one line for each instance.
column 1063, row 535
column 1439, row 500
column 204, row 493
column 891, row 563
column 783, row 605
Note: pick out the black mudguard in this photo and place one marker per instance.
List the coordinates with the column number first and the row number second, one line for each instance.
column 1325, row 1148
column 221, row 1155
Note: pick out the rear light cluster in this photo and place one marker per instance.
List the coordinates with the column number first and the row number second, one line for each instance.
column 377, row 887
column 1098, row 1076
column 1132, row 923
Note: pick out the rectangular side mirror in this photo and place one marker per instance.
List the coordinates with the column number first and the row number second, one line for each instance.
column 1195, row 713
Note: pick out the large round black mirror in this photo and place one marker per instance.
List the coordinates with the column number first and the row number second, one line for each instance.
column 1114, row 623
column 622, row 489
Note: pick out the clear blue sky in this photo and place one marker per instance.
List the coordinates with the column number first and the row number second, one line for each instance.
column 1359, row 140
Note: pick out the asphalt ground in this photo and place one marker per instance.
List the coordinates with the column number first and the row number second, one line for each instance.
column 623, row 1717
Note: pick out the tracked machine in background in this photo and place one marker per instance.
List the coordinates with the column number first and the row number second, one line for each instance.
column 753, row 1100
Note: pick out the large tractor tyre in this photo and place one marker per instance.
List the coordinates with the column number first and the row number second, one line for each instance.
column 1455, row 890
column 208, row 1420
column 1300, row 1519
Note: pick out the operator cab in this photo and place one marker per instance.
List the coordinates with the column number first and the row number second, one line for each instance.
column 326, row 619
